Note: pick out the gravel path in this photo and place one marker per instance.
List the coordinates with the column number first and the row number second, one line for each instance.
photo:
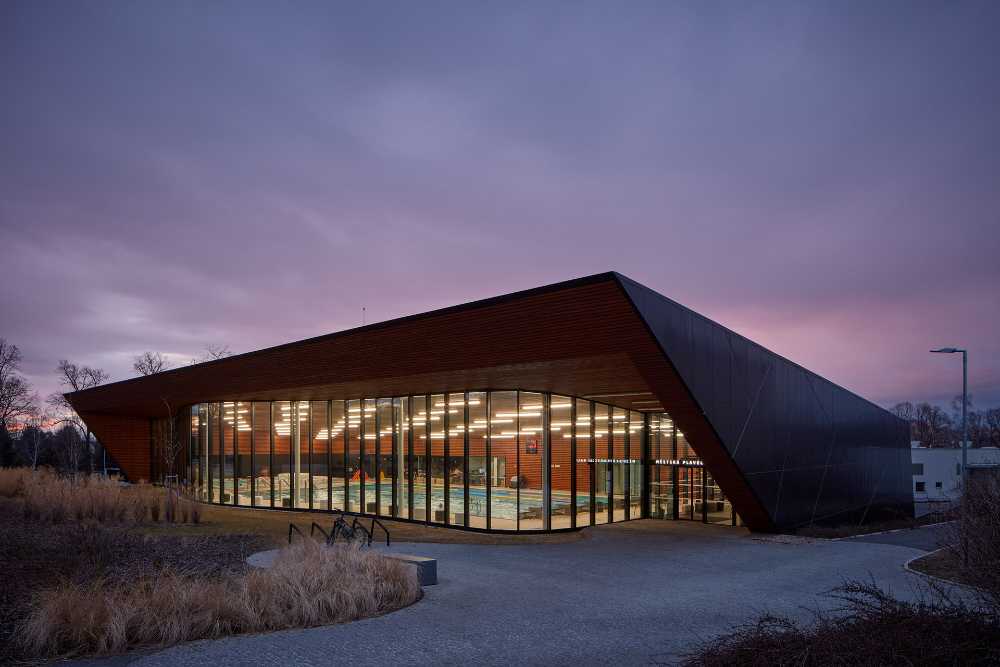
column 630, row 595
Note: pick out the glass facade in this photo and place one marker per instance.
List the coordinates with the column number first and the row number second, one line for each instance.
column 489, row 460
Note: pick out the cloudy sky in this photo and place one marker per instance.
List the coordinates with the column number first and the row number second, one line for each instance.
column 821, row 177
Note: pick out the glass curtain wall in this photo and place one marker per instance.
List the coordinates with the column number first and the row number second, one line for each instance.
column 584, row 463
column 419, row 419
column 262, row 454
column 439, row 504
column 503, row 481
column 244, row 454
column 353, row 475
column 319, row 458
column 561, row 507
column 338, row 455
column 478, row 468
column 501, row 460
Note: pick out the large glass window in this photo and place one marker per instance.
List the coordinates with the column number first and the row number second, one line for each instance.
column 531, row 469
column 561, row 462
column 385, row 446
column 421, row 457
column 338, row 457
column 661, row 473
column 228, row 444
column 503, row 452
column 438, row 469
column 369, row 477
column 602, row 447
column 455, row 417
column 319, row 464
column 619, row 466
column 636, row 434
column 300, row 453
column 400, row 484
column 283, row 453
column 477, row 459
column 203, row 449
column 718, row 508
column 354, row 456
column 244, row 452
column 262, row 453
column 584, row 462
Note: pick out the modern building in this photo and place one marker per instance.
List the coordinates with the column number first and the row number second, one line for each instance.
column 584, row 402
column 937, row 471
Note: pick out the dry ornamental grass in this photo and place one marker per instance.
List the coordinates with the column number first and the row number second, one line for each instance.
column 308, row 585
column 117, row 588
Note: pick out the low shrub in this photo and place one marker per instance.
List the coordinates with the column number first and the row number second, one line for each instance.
column 872, row 628
column 308, row 585
column 975, row 538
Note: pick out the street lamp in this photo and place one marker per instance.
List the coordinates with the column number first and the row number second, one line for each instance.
column 965, row 403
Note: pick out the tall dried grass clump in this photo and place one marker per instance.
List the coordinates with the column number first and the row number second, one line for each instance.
column 13, row 481
column 308, row 585
column 48, row 497
column 51, row 498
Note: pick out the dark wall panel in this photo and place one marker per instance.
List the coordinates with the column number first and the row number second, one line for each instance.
column 808, row 449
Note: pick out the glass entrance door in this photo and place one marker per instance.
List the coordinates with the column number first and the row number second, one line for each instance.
column 661, row 492
column 690, row 485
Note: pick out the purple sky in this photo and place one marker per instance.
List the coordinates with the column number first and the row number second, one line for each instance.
column 823, row 178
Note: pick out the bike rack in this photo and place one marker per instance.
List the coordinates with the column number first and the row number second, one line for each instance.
column 314, row 527
column 354, row 530
column 293, row 527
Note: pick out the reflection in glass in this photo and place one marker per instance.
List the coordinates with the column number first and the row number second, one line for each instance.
column 262, row 453
column 503, row 460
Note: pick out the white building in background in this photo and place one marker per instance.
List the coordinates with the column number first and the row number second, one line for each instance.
column 937, row 472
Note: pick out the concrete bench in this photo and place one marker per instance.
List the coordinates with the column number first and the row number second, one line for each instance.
column 427, row 569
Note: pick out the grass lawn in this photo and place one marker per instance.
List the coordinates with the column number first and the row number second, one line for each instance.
column 850, row 530
column 273, row 525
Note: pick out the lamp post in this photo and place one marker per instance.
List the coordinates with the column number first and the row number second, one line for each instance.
column 965, row 403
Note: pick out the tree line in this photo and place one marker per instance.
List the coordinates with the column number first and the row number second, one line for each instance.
column 933, row 426
column 49, row 432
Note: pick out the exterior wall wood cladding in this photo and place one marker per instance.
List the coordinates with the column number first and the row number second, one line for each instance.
column 532, row 342
column 127, row 439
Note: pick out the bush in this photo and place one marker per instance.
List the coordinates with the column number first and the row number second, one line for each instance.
column 308, row 585
column 975, row 538
column 872, row 628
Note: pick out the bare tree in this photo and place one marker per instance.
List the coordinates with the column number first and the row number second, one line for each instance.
column 907, row 413
column 213, row 352
column 33, row 437
column 149, row 363
column 70, row 448
column 932, row 427
column 171, row 444
column 16, row 398
column 75, row 378
column 992, row 424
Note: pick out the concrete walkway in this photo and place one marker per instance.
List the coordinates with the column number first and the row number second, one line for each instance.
column 633, row 594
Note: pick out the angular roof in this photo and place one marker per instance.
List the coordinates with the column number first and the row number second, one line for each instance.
column 786, row 445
